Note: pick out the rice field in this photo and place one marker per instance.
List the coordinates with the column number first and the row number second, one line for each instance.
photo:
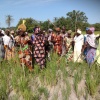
column 58, row 81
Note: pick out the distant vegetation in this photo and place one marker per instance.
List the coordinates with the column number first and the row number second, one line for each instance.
column 73, row 20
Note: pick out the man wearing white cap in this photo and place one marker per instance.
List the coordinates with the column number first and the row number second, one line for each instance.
column 79, row 40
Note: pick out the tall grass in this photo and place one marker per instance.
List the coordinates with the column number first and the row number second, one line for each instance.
column 17, row 83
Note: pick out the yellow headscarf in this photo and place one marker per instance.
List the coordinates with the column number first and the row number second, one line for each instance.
column 22, row 26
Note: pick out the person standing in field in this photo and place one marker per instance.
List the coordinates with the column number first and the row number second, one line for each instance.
column 6, row 40
column 39, row 48
column 2, row 53
column 78, row 43
column 58, row 40
column 90, row 45
column 23, row 40
column 68, row 39
column 98, row 50
column 12, row 44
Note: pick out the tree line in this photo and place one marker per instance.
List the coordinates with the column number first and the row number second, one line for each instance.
column 73, row 20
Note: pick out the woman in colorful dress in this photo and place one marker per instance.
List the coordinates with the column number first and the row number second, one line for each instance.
column 69, row 54
column 91, row 46
column 58, row 40
column 39, row 48
column 23, row 41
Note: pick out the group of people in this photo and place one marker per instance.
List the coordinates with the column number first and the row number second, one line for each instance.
column 37, row 47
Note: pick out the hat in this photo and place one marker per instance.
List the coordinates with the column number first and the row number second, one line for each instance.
column 57, row 29
column 22, row 26
column 79, row 31
column 69, row 31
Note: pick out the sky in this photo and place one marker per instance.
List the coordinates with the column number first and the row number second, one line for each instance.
column 43, row 10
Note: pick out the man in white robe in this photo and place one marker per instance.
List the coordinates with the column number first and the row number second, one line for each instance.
column 78, row 40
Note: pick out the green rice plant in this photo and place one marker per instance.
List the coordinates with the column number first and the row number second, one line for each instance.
column 86, row 94
column 66, row 91
column 48, row 75
column 90, row 82
column 55, row 96
column 3, row 92
column 77, row 79
column 43, row 90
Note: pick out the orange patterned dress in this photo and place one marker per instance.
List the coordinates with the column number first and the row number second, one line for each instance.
column 24, row 52
column 57, row 40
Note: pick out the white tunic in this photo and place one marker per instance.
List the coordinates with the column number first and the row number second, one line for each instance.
column 6, row 40
column 79, row 40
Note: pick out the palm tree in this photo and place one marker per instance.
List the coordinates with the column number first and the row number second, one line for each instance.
column 9, row 19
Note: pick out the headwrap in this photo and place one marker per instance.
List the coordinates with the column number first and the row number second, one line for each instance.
column 12, row 32
column 92, row 29
column 22, row 26
column 79, row 31
column 57, row 29
column 50, row 30
column 69, row 31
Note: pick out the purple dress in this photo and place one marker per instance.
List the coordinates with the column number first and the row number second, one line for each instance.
column 39, row 49
column 90, row 57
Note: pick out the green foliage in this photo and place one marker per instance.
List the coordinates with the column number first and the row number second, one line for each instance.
column 44, row 91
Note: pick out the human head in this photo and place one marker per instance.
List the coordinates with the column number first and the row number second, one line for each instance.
column 36, row 29
column 57, row 30
column 50, row 30
column 90, row 30
column 7, row 32
column 22, row 28
column 79, row 32
column 69, row 31
column 12, row 32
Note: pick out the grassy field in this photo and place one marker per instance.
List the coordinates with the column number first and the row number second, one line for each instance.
column 58, row 81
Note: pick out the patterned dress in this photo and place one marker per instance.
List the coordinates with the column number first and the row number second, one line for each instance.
column 25, row 53
column 2, row 53
column 58, row 40
column 91, row 49
column 39, row 50
column 70, row 53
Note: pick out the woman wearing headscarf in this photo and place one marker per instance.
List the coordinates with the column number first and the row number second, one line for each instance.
column 58, row 40
column 39, row 48
column 90, row 45
column 2, row 53
column 23, row 40
column 68, row 39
